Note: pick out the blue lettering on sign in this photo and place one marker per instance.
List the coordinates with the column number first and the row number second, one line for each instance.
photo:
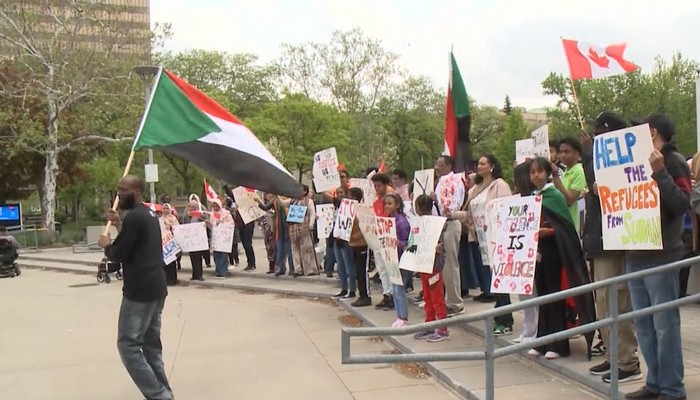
column 296, row 214
column 609, row 152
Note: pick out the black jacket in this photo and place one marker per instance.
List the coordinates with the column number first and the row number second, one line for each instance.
column 593, row 224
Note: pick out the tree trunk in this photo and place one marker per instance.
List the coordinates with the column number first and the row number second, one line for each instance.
column 48, row 200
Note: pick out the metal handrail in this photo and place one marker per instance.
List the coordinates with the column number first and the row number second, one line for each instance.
column 490, row 353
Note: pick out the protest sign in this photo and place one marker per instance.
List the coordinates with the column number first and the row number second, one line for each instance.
column 344, row 220
column 222, row 237
column 367, row 187
column 448, row 186
column 426, row 235
column 247, row 205
column 629, row 197
column 513, row 243
column 325, row 214
column 423, row 182
column 368, row 225
column 540, row 142
column 389, row 248
column 478, row 210
column 325, row 170
column 170, row 247
column 523, row 150
column 296, row 214
column 191, row 237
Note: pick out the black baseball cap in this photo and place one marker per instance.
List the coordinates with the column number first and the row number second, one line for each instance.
column 608, row 121
column 663, row 125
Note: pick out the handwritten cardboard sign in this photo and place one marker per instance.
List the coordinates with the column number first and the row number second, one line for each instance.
column 368, row 226
column 389, row 248
column 325, row 213
column 540, row 142
column 513, row 243
column 296, row 214
column 222, row 237
column 426, row 235
column 629, row 197
column 367, row 187
column 247, row 205
column 344, row 220
column 191, row 237
column 325, row 170
column 524, row 150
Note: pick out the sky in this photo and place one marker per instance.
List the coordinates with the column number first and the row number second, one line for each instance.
column 503, row 47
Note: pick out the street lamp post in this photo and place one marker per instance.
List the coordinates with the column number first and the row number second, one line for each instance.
column 147, row 73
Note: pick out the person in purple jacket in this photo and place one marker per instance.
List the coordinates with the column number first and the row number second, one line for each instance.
column 393, row 207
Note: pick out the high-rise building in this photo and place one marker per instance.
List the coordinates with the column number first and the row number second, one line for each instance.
column 123, row 26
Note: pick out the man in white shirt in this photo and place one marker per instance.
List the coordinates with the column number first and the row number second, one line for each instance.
column 449, row 194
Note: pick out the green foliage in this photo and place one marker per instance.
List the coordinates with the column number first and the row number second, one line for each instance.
column 668, row 88
column 301, row 127
column 504, row 147
column 507, row 106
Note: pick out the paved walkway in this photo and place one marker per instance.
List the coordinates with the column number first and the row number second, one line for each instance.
column 464, row 377
column 58, row 343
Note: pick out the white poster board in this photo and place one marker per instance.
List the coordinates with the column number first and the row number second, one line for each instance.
column 540, row 142
column 478, row 210
column 423, row 182
column 629, row 197
column 449, row 184
column 368, row 226
column 514, row 238
column 523, row 150
column 247, row 205
column 367, row 187
column 222, row 237
column 344, row 220
column 426, row 235
column 389, row 248
column 325, row 213
column 191, row 237
column 325, row 170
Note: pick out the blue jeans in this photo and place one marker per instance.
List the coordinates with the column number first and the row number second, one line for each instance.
column 138, row 341
column 283, row 247
column 346, row 265
column 659, row 335
column 221, row 263
column 483, row 272
column 399, row 294
column 329, row 259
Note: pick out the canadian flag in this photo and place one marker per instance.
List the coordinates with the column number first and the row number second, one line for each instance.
column 210, row 192
column 590, row 61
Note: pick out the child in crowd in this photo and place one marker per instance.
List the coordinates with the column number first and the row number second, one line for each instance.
column 433, row 286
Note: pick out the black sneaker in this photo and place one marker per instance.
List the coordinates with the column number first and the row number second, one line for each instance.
column 418, row 299
column 599, row 349
column 340, row 295
column 251, row 268
column 387, row 303
column 362, row 302
column 349, row 296
column 624, row 376
column 600, row 369
column 642, row 394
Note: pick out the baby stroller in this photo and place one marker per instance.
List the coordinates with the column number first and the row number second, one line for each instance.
column 8, row 259
column 106, row 267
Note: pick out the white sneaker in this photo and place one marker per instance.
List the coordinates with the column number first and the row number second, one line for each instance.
column 397, row 323
column 550, row 355
column 534, row 353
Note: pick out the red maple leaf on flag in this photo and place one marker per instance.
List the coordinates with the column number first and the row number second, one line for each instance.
column 603, row 61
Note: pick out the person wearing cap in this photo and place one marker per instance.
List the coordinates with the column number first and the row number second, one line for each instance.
column 607, row 264
column 659, row 335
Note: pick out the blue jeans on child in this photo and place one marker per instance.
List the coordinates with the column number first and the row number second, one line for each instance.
column 283, row 247
column 399, row 293
column 221, row 263
column 346, row 265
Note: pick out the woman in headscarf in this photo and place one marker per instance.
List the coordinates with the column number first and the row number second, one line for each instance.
column 168, row 221
column 560, row 259
column 220, row 215
column 303, row 252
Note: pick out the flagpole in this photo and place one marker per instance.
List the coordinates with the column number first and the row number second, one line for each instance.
column 143, row 73
column 578, row 107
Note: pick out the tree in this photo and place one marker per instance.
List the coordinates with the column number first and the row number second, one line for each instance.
column 487, row 125
column 507, row 107
column 63, row 72
column 301, row 127
column 350, row 71
column 504, row 146
column 668, row 88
